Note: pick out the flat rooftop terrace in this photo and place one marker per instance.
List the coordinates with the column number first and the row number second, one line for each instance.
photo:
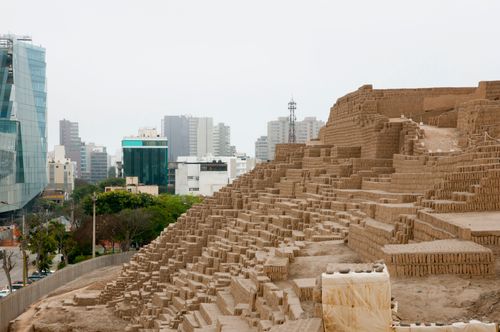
column 480, row 223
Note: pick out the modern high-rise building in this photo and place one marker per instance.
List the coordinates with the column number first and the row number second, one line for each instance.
column 261, row 149
column 70, row 139
column 277, row 133
column 222, row 140
column 85, row 152
column 196, row 136
column 23, row 122
column 192, row 136
column 146, row 157
column 94, row 162
column 176, row 129
column 204, row 137
column 308, row 129
column 98, row 164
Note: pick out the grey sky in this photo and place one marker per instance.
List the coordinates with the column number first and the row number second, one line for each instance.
column 116, row 65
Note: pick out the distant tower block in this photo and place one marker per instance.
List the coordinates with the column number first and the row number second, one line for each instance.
column 291, row 127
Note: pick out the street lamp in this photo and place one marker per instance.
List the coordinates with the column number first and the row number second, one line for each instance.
column 94, row 199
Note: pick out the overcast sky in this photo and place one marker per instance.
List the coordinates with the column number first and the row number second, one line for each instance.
column 117, row 65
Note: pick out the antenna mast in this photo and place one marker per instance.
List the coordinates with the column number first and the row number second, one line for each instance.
column 291, row 126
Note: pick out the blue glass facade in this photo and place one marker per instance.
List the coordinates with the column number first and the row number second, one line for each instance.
column 23, row 122
column 146, row 158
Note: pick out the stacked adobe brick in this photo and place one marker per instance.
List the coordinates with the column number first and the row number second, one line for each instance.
column 222, row 263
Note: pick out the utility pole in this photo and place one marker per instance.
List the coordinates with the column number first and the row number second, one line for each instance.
column 94, row 198
column 23, row 248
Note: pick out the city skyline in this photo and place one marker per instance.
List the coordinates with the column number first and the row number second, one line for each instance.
column 309, row 50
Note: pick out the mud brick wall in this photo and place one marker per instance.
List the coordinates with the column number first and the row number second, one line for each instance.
column 217, row 264
column 361, row 118
column 489, row 90
column 389, row 213
column 439, row 257
column 368, row 238
column 414, row 182
column 445, row 120
column 479, row 116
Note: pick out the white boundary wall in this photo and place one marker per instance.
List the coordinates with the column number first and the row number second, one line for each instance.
column 16, row 303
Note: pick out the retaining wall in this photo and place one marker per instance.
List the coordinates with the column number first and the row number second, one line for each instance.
column 16, row 303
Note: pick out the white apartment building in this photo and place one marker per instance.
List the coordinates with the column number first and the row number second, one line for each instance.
column 206, row 175
column 61, row 172
column 200, row 136
column 222, row 140
column 308, row 129
column 261, row 149
column 277, row 132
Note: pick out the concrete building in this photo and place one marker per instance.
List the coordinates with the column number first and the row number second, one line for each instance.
column 94, row 162
column 277, row 132
column 146, row 157
column 132, row 185
column 204, row 137
column 206, row 175
column 222, row 140
column 70, row 139
column 200, row 177
column 308, row 129
column 176, row 129
column 261, row 149
column 196, row 136
column 243, row 163
column 23, row 122
column 98, row 164
column 85, row 152
column 192, row 136
column 61, row 172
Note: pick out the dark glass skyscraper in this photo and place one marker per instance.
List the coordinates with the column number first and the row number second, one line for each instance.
column 23, row 118
column 146, row 158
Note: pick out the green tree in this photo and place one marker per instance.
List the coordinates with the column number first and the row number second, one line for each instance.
column 176, row 205
column 112, row 172
column 44, row 246
column 116, row 201
column 132, row 225
column 111, row 182
column 64, row 241
column 82, row 190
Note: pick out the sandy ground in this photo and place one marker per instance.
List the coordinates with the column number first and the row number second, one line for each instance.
column 432, row 299
column 49, row 314
column 440, row 139
column 477, row 221
column 448, row 298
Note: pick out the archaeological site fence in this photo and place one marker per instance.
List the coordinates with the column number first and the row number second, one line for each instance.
column 16, row 303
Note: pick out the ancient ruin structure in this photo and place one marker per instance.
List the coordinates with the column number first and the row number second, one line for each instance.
column 410, row 177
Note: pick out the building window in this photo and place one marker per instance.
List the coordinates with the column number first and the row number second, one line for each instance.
column 194, row 189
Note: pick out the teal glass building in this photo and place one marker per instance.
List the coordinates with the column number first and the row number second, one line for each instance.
column 23, row 122
column 146, row 158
